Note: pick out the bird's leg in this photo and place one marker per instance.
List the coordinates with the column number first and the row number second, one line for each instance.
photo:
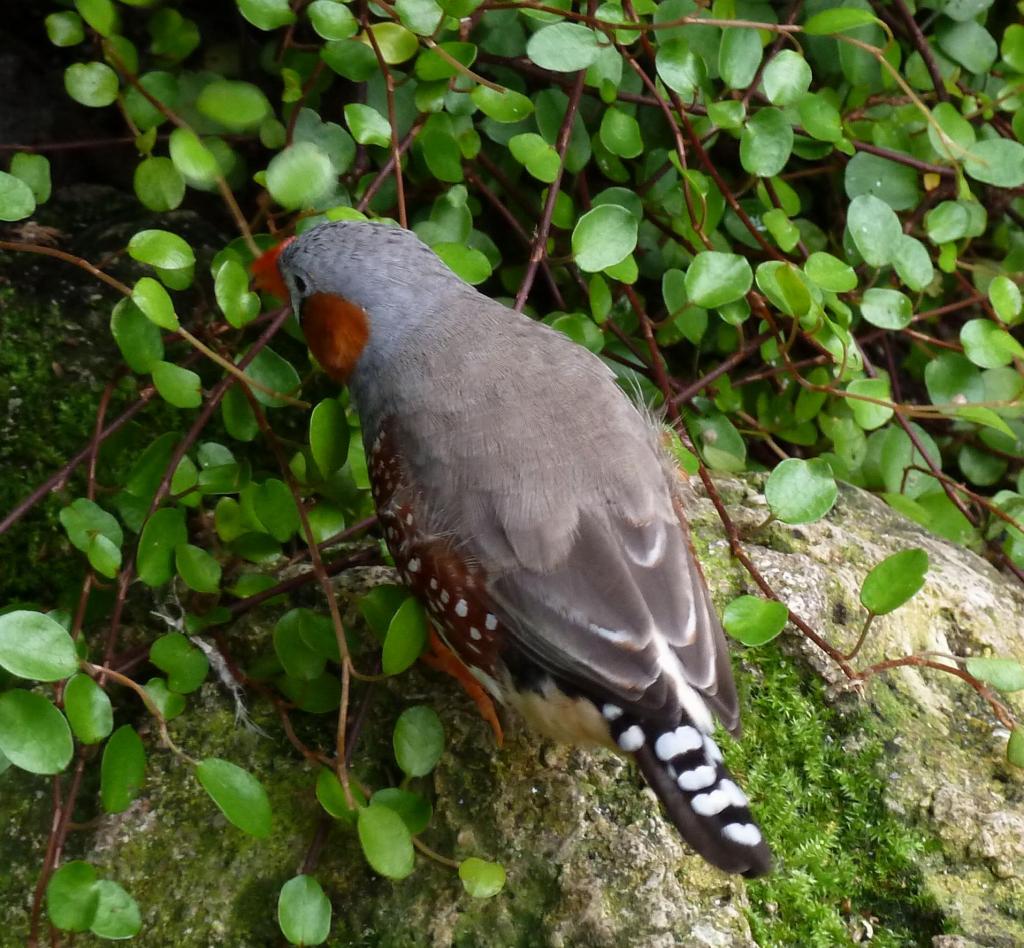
column 441, row 658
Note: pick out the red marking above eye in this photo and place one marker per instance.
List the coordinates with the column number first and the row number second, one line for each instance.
column 266, row 274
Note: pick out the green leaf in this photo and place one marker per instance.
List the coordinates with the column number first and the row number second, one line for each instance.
column 887, row 309
column 385, row 840
column 238, row 106
column 1003, row 674
column 952, row 377
column 301, row 176
column 332, row 797
column 186, row 666
column 88, row 709
column 893, row 581
column 800, row 491
column 177, row 386
column 267, row 14
column 875, row 229
column 161, row 248
column 913, row 264
column 620, row 133
column 123, row 769
column 830, row 273
column 786, row 78
column 328, row 436
column 716, row 279
column 169, row 703
column 604, row 237
column 414, row 810
column 273, row 372
column 466, row 262
column 432, row 66
column 91, row 84
column 138, row 338
column 34, row 170
column 406, row 637
column 754, row 621
column 238, row 795
column 198, row 569
column 506, row 106
column 681, row 69
column 766, row 143
column 158, row 184
column 996, row 161
column 154, row 302
column 838, row 20
column 84, row 519
column 739, row 56
column 367, row 125
column 563, row 47
column 1015, row 747
column 117, row 914
column 16, row 199
column 969, row 44
column 379, row 605
column 891, row 182
column 34, row 735
column 72, row 896
column 64, row 29
column 34, row 646
column 1005, row 297
column 396, row 43
column 163, row 532
column 332, row 20
column 481, row 879
column 193, row 159
column 867, row 414
column 303, row 911
column 275, row 506
column 539, row 158
column 988, row 345
column 295, row 653
column 418, row 740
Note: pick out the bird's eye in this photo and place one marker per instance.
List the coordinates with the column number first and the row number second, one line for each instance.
column 300, row 284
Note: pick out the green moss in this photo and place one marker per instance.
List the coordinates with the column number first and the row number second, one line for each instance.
column 821, row 797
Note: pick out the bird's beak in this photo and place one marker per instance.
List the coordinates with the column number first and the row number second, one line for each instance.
column 266, row 271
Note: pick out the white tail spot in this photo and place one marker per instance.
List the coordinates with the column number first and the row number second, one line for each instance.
column 697, row 779
column 746, row 834
column 679, row 741
column 632, row 739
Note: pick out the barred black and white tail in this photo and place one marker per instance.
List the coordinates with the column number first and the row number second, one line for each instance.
column 683, row 766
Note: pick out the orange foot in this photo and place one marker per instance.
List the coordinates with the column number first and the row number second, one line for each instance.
column 441, row 658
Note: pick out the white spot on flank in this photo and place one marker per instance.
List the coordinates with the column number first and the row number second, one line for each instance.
column 632, row 739
column 444, row 596
column 746, row 834
column 736, row 796
column 708, row 804
column 408, row 519
column 433, row 584
column 461, row 609
column 491, row 622
column 676, row 742
column 474, row 633
column 711, row 750
column 612, row 712
column 414, row 565
column 698, row 778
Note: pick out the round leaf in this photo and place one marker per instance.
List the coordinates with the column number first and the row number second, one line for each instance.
column 328, row 436
column 72, row 895
column 92, row 84
column 385, row 840
column 186, row 666
column 88, row 709
column 198, row 569
column 800, row 491
column 117, row 914
column 766, row 143
column 997, row 161
column 177, row 386
column 563, row 47
column 893, row 581
column 303, row 911
column 875, row 229
column 16, row 198
column 137, row 337
column 158, row 184
column 715, row 279
column 235, row 105
column 868, row 414
column 267, row 14
column 406, row 637
column 481, row 879
column 754, row 621
column 161, row 248
column 888, row 309
column 123, row 769
column 161, row 534
column 988, row 345
column 155, row 303
column 238, row 795
column 300, row 176
column 34, row 646
column 418, row 740
column 1003, row 674
column 786, row 78
column 604, row 237
column 34, row 735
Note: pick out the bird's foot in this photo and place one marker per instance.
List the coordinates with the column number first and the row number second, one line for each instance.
column 441, row 658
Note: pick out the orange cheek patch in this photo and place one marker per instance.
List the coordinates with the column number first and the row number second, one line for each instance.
column 336, row 331
column 266, row 274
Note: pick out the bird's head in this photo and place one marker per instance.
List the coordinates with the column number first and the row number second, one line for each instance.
column 350, row 282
